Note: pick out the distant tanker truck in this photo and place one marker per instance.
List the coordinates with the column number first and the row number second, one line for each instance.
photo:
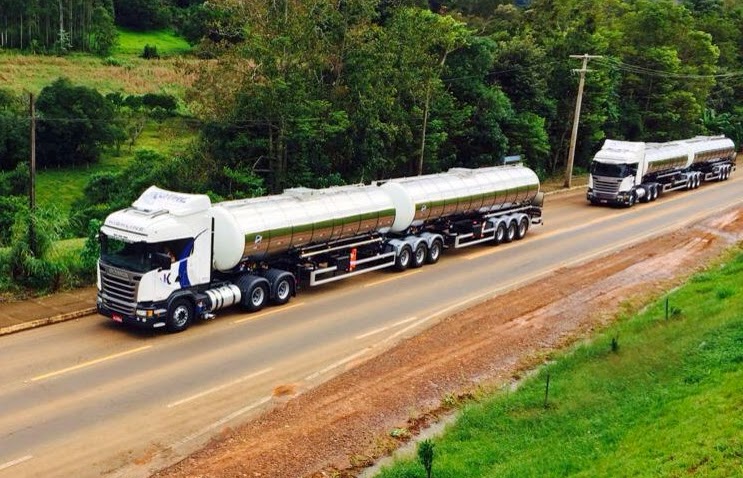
column 171, row 257
column 625, row 172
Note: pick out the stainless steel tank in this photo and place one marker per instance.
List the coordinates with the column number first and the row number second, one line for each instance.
column 422, row 199
column 261, row 227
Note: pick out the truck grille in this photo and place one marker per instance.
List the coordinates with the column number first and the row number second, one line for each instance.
column 119, row 289
column 603, row 186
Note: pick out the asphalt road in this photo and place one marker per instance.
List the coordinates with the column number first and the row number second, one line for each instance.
column 89, row 398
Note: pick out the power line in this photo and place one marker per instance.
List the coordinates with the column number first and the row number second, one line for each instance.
column 641, row 70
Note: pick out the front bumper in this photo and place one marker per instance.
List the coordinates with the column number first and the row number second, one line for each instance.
column 150, row 316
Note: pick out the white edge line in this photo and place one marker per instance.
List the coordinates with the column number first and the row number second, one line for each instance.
column 336, row 364
column 386, row 327
column 222, row 421
column 9, row 464
column 219, row 387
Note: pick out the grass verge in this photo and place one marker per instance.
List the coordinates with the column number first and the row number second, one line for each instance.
column 649, row 396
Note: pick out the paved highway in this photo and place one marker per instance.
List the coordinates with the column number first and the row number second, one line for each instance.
column 89, row 398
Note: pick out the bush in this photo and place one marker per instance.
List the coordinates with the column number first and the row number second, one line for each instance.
column 150, row 52
column 112, row 61
column 160, row 100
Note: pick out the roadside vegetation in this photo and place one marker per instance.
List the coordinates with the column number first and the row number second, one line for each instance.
column 237, row 99
column 656, row 394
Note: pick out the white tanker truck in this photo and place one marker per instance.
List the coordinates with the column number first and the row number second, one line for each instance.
column 173, row 257
column 624, row 172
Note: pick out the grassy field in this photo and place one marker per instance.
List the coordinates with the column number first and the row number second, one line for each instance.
column 666, row 401
column 23, row 73
column 60, row 187
column 168, row 43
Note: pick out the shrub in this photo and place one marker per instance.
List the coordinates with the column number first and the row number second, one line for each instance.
column 160, row 100
column 112, row 61
column 150, row 52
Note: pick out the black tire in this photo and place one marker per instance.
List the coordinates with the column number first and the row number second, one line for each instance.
column 419, row 255
column 254, row 293
column 632, row 199
column 282, row 285
column 646, row 196
column 522, row 228
column 180, row 314
column 404, row 258
column 510, row 232
column 283, row 290
column 500, row 233
column 654, row 192
column 434, row 252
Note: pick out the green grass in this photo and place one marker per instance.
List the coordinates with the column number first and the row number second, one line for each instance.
column 167, row 42
column 669, row 402
column 61, row 187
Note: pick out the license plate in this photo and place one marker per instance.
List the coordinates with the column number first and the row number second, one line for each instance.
column 117, row 318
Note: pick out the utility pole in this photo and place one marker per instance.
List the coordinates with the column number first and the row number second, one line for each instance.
column 32, row 179
column 576, row 117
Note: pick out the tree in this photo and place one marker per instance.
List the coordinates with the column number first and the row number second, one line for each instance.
column 425, row 455
column 75, row 123
column 103, row 31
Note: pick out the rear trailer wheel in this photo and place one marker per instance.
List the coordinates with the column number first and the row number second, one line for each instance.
column 404, row 258
column 283, row 291
column 434, row 252
column 523, row 227
column 180, row 314
column 510, row 232
column 500, row 233
column 419, row 255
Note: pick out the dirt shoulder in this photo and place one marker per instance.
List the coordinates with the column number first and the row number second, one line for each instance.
column 343, row 425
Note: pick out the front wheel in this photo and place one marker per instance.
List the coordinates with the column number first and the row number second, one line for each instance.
column 632, row 199
column 180, row 314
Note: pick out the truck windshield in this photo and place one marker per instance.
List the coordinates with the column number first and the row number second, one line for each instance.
column 133, row 256
column 613, row 170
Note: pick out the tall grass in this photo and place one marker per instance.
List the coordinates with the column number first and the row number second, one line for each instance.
column 667, row 402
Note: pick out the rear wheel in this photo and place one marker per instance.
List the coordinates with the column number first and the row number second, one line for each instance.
column 256, row 297
column 404, row 258
column 180, row 314
column 500, row 233
column 283, row 291
column 510, row 232
column 434, row 252
column 522, row 228
column 419, row 255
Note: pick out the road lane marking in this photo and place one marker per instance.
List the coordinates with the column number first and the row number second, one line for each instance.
column 396, row 277
column 219, row 387
column 336, row 364
column 9, row 464
column 88, row 364
column 222, row 421
column 269, row 312
column 387, row 327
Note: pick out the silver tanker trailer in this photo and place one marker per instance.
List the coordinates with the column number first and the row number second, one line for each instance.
column 624, row 172
column 173, row 257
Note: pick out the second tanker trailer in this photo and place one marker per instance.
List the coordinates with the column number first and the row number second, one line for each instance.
column 174, row 257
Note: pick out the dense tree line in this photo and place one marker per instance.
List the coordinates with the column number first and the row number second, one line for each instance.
column 312, row 91
column 57, row 25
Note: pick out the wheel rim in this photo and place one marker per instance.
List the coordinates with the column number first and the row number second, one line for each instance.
column 283, row 290
column 257, row 296
column 420, row 254
column 500, row 233
column 522, row 228
column 435, row 251
column 404, row 257
column 181, row 315
column 511, row 231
